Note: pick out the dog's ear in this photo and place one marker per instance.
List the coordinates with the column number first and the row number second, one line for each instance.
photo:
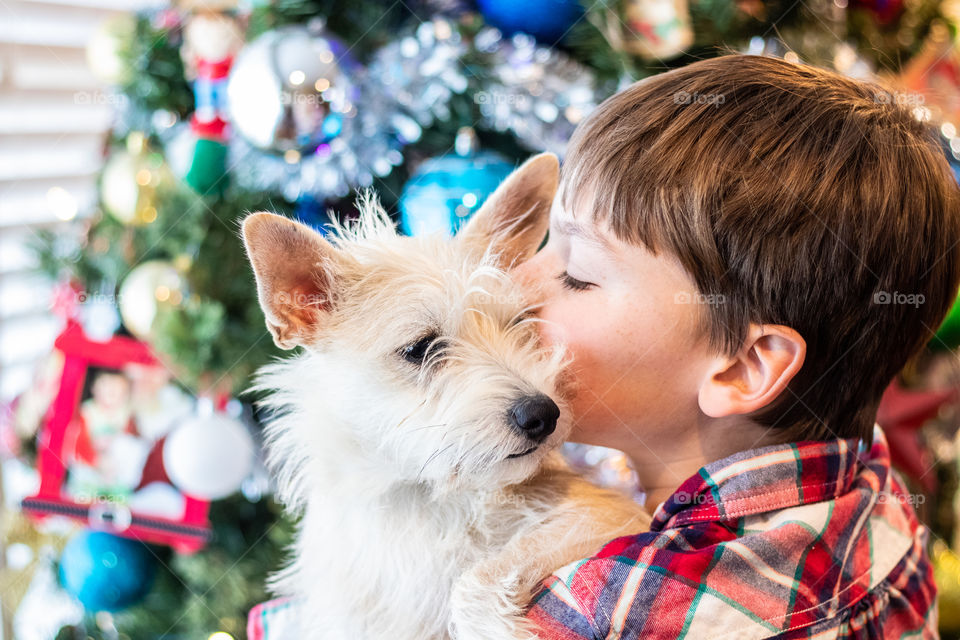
column 295, row 270
column 515, row 218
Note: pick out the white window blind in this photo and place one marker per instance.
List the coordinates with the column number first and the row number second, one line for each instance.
column 53, row 122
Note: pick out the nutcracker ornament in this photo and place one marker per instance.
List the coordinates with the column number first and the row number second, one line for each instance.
column 212, row 39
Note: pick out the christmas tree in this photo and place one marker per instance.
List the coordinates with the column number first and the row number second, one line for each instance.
column 294, row 106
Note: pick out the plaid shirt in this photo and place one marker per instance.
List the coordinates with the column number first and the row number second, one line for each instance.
column 814, row 539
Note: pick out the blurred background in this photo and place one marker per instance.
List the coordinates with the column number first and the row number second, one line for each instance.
column 135, row 134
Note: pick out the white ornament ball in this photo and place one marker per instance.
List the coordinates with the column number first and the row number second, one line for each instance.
column 147, row 286
column 208, row 457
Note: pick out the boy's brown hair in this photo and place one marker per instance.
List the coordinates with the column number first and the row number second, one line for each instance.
column 794, row 196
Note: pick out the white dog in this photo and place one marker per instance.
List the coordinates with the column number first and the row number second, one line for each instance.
column 413, row 434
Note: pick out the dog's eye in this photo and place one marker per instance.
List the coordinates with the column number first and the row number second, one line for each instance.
column 416, row 352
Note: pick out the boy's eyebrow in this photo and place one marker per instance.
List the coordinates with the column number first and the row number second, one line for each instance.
column 571, row 228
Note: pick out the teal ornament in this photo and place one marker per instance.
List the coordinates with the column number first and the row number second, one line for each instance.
column 106, row 572
column 444, row 192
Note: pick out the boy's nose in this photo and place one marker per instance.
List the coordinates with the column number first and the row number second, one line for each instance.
column 535, row 416
column 522, row 272
column 529, row 275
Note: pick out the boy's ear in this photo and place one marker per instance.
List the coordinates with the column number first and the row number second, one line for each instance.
column 296, row 274
column 515, row 218
column 753, row 378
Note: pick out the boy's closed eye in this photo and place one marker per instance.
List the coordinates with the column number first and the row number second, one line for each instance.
column 572, row 283
column 591, row 249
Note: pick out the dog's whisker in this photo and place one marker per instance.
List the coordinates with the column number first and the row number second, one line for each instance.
column 466, row 454
column 428, row 426
column 412, row 411
column 432, row 457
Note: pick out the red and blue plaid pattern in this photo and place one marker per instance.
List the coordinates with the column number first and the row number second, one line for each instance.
column 814, row 539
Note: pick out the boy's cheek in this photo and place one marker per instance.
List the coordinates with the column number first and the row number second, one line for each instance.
column 551, row 326
column 567, row 322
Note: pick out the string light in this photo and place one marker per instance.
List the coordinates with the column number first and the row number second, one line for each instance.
column 62, row 203
column 297, row 78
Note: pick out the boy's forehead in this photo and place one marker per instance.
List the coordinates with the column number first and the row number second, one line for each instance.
column 584, row 226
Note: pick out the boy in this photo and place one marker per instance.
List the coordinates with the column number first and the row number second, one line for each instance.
column 730, row 257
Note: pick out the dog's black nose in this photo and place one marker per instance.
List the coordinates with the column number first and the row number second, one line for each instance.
column 535, row 416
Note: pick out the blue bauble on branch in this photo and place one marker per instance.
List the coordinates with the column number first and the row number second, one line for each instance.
column 444, row 192
column 546, row 20
column 311, row 212
column 106, row 572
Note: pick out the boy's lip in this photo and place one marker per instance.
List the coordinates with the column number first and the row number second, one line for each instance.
column 523, row 453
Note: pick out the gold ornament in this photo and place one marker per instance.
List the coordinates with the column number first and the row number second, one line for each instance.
column 946, row 573
column 129, row 182
column 146, row 288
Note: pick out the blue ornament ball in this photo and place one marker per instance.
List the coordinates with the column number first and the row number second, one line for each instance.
column 444, row 192
column 106, row 572
column 546, row 20
column 312, row 212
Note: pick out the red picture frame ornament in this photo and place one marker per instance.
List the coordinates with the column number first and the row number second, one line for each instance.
column 188, row 534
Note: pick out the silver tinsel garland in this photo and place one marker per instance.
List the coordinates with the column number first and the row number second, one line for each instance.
column 423, row 70
column 537, row 92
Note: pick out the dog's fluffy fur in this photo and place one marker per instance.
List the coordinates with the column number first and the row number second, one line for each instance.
column 414, row 522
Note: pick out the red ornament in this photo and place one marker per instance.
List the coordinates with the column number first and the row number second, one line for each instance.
column 70, row 443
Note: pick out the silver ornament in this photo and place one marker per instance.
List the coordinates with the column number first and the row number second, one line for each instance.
column 373, row 127
column 290, row 89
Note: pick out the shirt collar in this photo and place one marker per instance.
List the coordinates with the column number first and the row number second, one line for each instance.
column 770, row 478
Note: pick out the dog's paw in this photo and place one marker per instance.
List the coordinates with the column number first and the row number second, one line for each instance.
column 486, row 606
